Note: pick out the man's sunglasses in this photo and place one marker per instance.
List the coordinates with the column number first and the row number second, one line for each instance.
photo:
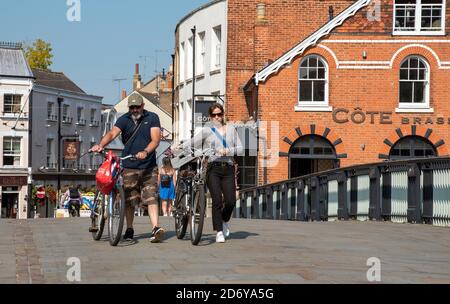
column 135, row 107
column 216, row 114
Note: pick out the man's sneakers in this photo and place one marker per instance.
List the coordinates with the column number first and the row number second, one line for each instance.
column 129, row 234
column 157, row 235
column 226, row 229
column 220, row 238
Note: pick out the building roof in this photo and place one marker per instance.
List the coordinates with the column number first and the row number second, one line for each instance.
column 197, row 10
column 13, row 62
column 154, row 98
column 55, row 80
column 310, row 41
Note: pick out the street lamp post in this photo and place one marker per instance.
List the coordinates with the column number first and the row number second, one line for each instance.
column 58, row 163
column 194, row 29
column 60, row 137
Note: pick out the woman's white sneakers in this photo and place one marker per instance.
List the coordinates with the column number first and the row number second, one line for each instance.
column 225, row 233
column 220, row 238
column 226, row 229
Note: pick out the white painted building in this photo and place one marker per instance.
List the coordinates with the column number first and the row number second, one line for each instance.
column 210, row 68
column 16, row 83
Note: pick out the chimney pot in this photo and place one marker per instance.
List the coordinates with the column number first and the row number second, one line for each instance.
column 137, row 68
column 124, row 94
column 260, row 11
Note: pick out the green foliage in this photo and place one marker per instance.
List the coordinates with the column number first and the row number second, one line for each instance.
column 39, row 55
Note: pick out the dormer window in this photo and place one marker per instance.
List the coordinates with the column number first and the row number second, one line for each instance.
column 419, row 17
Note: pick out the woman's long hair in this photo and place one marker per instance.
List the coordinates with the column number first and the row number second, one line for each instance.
column 167, row 164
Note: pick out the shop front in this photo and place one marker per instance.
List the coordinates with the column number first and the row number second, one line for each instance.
column 13, row 197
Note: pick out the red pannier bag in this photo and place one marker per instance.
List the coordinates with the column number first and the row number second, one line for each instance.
column 107, row 175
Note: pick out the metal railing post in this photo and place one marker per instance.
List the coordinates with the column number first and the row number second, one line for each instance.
column 342, row 196
column 315, row 199
column 301, row 215
column 375, row 194
column 427, row 212
column 386, row 205
column 284, row 202
column 414, row 212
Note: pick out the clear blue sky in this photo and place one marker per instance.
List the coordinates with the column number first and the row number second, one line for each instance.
column 105, row 44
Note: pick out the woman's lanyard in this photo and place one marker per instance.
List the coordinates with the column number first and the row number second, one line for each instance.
column 220, row 137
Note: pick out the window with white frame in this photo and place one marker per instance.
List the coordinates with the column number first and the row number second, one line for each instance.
column 216, row 47
column 11, row 151
column 414, row 83
column 50, row 110
column 313, row 84
column 201, row 54
column 80, row 115
column 189, row 59
column 93, row 112
column 182, row 62
column 419, row 17
column 65, row 113
column 11, row 103
column 49, row 152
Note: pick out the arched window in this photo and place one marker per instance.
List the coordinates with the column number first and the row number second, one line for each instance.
column 310, row 154
column 412, row 147
column 414, row 83
column 313, row 82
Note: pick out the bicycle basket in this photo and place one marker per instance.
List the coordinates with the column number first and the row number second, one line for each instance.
column 105, row 176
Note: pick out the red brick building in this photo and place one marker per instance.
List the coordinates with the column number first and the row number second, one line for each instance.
column 366, row 84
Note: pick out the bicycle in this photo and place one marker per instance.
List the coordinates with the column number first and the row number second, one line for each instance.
column 190, row 201
column 110, row 207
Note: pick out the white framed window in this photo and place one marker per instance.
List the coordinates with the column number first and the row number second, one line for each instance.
column 414, row 84
column 80, row 119
column 419, row 17
column 216, row 49
column 49, row 152
column 313, row 84
column 93, row 113
column 11, row 103
column 65, row 112
column 50, row 106
column 182, row 62
column 11, row 151
column 201, row 54
column 189, row 59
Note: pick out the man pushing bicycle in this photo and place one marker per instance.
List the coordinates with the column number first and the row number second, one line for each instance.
column 141, row 132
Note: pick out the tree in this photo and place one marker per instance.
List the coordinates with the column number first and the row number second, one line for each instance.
column 39, row 55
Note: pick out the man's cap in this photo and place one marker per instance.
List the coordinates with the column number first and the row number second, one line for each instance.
column 135, row 100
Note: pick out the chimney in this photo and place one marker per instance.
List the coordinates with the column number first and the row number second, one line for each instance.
column 124, row 94
column 261, row 37
column 137, row 84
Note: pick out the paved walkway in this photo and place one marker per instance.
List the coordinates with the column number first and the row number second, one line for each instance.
column 260, row 251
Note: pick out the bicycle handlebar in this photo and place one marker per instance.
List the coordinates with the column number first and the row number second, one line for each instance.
column 130, row 156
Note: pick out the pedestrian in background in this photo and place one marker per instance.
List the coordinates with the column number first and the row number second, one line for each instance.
column 166, row 181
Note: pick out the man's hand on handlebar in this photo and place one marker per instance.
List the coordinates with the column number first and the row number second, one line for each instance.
column 96, row 148
column 141, row 155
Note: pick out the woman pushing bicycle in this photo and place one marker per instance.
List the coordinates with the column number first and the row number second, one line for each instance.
column 224, row 140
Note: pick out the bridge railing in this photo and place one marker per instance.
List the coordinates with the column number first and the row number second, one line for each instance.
column 411, row 191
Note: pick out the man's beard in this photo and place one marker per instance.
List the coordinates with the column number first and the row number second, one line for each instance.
column 136, row 116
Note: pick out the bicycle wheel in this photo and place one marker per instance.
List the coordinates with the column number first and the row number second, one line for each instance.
column 197, row 214
column 116, row 215
column 180, row 214
column 98, row 216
